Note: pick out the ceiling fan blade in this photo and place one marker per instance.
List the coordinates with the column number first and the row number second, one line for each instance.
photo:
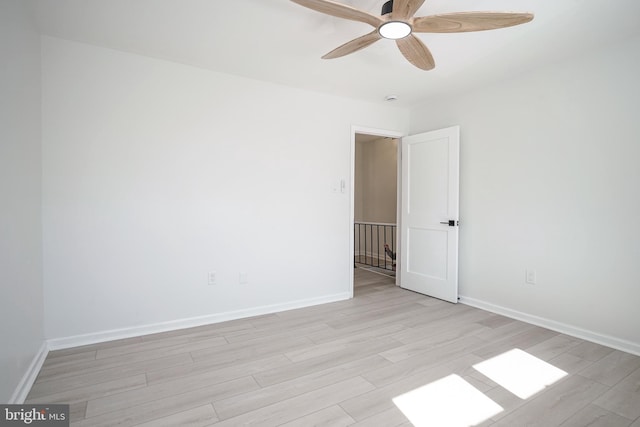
column 416, row 52
column 341, row 11
column 405, row 9
column 461, row 22
column 354, row 45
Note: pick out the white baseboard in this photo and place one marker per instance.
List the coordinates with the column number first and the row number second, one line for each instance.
column 372, row 255
column 25, row 384
column 606, row 340
column 115, row 334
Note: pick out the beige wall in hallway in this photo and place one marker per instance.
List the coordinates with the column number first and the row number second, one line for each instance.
column 376, row 171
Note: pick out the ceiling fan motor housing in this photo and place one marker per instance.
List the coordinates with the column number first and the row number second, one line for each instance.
column 387, row 7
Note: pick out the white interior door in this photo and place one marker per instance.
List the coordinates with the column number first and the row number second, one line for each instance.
column 429, row 213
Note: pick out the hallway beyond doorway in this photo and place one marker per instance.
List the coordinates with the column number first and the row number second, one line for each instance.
column 367, row 282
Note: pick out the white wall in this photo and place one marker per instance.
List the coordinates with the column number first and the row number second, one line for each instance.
column 549, row 180
column 156, row 173
column 21, row 303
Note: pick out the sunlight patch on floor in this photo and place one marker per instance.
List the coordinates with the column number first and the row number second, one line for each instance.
column 519, row 372
column 448, row 402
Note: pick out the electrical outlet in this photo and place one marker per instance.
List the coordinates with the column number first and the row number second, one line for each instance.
column 530, row 277
column 243, row 278
column 212, row 280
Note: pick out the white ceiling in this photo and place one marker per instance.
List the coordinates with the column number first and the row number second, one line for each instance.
column 282, row 42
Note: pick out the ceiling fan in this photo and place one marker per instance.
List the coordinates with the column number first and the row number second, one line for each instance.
column 398, row 23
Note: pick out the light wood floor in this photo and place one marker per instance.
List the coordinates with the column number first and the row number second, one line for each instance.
column 341, row 364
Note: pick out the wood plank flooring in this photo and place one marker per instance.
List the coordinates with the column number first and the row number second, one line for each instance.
column 342, row 364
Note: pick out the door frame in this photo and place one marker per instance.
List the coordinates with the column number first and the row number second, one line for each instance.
column 352, row 201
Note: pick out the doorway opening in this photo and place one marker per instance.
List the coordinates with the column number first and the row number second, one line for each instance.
column 375, row 196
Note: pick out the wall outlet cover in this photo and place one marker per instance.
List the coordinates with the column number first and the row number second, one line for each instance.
column 212, row 278
column 530, row 276
column 243, row 278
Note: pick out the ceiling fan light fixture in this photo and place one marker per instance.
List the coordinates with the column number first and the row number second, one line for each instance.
column 394, row 30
